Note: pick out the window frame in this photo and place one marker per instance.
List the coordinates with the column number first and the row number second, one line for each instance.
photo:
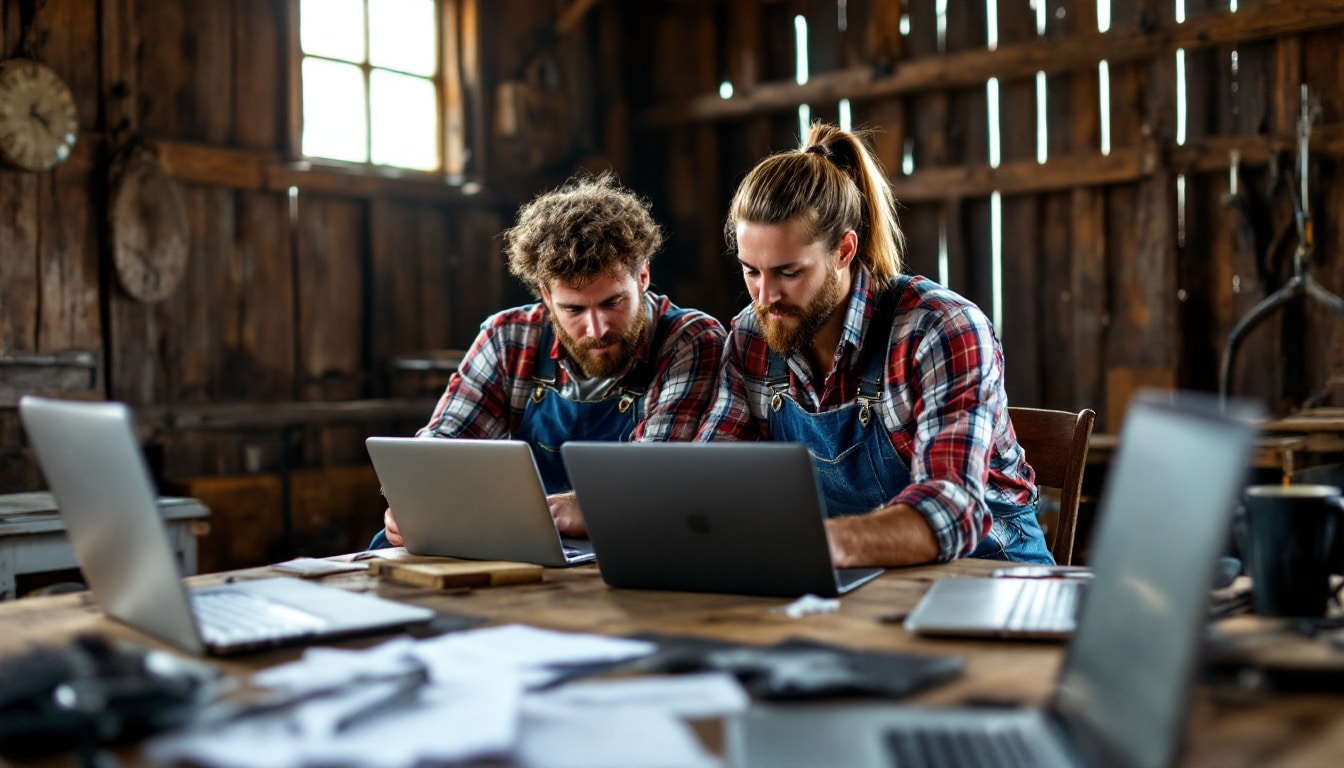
column 456, row 28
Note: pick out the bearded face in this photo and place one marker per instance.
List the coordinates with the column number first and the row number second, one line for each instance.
column 608, row 355
column 602, row 321
column 789, row 328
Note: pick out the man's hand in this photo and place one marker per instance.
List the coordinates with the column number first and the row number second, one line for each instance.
column 390, row 528
column 565, row 512
column 888, row 537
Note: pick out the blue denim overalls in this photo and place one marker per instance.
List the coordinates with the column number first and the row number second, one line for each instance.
column 857, row 465
column 550, row 419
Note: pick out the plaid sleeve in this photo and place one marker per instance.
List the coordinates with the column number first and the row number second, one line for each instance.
column 730, row 417
column 476, row 402
column 953, row 360
column 683, row 388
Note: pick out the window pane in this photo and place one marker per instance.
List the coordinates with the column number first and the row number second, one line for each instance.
column 402, row 34
column 333, row 111
column 405, row 121
column 332, row 28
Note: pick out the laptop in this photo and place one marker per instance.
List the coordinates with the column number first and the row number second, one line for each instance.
column 1048, row 607
column 474, row 499
column 1123, row 691
column 737, row 518
column 92, row 461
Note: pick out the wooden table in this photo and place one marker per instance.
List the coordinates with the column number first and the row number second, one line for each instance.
column 32, row 535
column 1302, row 729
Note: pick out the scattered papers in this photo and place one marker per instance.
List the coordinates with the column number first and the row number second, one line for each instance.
column 808, row 605
column 472, row 702
column 608, row 737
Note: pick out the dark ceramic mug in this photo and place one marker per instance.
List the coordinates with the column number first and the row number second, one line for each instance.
column 1291, row 533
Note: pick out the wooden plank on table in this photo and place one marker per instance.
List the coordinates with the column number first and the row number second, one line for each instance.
column 437, row 573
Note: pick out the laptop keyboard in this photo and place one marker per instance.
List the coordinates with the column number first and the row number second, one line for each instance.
column 1046, row 605
column 934, row 747
column 234, row 618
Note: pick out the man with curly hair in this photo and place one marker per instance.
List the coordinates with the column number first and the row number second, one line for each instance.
column 599, row 357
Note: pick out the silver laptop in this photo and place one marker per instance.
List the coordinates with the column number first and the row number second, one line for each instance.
column 738, row 518
column 1045, row 608
column 1123, row 692
column 90, row 457
column 475, row 499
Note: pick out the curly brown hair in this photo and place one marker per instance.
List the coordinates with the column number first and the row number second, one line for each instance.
column 588, row 227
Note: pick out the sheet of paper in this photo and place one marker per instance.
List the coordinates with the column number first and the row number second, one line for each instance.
column 475, row 716
column 710, row 694
column 608, row 737
column 536, row 652
column 315, row 567
column 468, row 708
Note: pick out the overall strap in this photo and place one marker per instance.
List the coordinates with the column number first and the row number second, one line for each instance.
column 637, row 381
column 543, row 371
column 872, row 361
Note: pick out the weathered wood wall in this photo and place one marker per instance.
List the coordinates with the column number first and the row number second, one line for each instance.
column 258, row 378
column 1108, row 282
column 302, row 284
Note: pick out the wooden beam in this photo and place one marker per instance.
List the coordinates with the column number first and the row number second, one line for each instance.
column 264, row 170
column 1092, row 170
column 152, row 421
column 1009, row 63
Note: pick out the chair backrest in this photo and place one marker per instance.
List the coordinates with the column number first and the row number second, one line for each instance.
column 1056, row 446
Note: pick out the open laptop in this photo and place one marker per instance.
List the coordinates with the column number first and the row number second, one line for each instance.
column 475, row 499
column 738, row 518
column 92, row 461
column 1122, row 694
column 1045, row 608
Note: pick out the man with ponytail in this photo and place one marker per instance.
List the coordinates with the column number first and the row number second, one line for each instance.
column 894, row 382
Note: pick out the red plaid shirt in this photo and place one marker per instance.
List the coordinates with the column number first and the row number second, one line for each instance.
column 943, row 404
column 486, row 397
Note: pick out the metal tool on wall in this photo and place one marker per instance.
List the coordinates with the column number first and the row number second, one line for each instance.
column 1301, row 283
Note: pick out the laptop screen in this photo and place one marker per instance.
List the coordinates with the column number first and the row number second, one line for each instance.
column 1164, row 517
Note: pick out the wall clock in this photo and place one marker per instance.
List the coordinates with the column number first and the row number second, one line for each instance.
column 38, row 121
column 150, row 229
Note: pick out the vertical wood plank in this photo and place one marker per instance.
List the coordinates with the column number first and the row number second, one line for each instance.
column 20, row 264
column 120, row 65
column 183, row 70
column 258, row 54
column 1022, row 252
column 968, row 130
column 330, row 274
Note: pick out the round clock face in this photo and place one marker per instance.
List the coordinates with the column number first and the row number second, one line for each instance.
column 38, row 121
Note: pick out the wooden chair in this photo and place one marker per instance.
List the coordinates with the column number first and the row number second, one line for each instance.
column 1056, row 446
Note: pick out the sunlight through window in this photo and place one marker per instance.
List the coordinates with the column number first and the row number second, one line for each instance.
column 370, row 82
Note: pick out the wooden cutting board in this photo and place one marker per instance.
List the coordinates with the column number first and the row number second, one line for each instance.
column 444, row 573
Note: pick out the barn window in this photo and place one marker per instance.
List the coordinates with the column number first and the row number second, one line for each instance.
column 376, row 82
